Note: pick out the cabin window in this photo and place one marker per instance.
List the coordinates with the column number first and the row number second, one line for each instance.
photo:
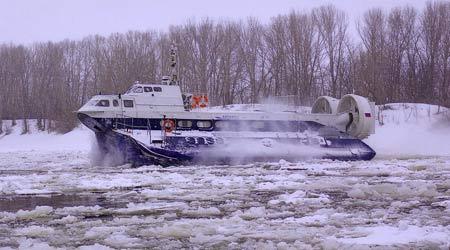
column 128, row 103
column 115, row 103
column 204, row 124
column 157, row 89
column 103, row 103
column 138, row 90
column 184, row 124
column 148, row 89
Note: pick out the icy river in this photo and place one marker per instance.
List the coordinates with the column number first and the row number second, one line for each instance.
column 59, row 200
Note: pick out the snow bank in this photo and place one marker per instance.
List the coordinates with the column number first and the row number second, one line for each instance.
column 79, row 139
column 411, row 130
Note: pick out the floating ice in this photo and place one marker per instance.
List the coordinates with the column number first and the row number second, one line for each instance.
column 96, row 246
column 301, row 205
column 122, row 240
column 389, row 235
column 35, row 231
column 39, row 211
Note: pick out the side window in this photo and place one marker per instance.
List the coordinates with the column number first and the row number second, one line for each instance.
column 184, row 124
column 138, row 90
column 128, row 103
column 157, row 89
column 204, row 124
column 103, row 103
column 148, row 89
column 115, row 103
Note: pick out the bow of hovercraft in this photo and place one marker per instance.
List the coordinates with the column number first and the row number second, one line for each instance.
column 118, row 146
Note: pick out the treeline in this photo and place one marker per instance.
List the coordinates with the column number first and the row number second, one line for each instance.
column 398, row 56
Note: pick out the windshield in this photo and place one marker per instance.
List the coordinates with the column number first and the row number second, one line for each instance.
column 92, row 102
column 134, row 89
column 102, row 103
column 130, row 90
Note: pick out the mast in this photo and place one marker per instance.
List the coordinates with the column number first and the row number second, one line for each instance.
column 173, row 65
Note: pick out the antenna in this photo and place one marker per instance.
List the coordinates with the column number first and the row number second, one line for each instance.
column 173, row 64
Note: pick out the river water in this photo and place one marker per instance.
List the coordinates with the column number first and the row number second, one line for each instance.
column 59, row 200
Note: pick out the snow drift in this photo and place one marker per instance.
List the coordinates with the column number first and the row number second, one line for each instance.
column 411, row 130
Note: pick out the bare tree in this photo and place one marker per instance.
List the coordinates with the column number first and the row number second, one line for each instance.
column 332, row 26
column 433, row 24
column 401, row 37
column 372, row 33
column 254, row 56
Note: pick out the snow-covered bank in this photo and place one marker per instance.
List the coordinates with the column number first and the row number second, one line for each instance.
column 411, row 130
column 79, row 139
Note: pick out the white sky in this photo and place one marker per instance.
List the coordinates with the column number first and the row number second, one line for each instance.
column 29, row 21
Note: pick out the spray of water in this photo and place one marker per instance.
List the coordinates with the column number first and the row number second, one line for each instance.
column 271, row 141
column 105, row 153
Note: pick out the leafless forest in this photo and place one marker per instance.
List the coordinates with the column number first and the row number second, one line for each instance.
column 402, row 55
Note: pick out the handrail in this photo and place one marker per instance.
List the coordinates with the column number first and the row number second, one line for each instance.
column 127, row 125
column 130, row 126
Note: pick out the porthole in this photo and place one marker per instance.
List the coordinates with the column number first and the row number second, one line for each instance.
column 204, row 124
column 184, row 124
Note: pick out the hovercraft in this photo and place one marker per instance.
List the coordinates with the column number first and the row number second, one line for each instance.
column 157, row 124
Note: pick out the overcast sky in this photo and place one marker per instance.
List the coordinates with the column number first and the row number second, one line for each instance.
column 42, row 20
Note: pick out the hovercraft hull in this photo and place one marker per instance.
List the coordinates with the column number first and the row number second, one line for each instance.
column 118, row 147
